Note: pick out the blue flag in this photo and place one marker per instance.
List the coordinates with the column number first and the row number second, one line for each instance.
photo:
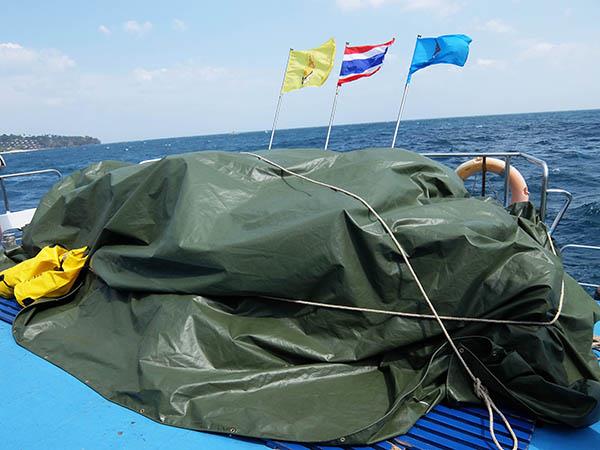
column 447, row 49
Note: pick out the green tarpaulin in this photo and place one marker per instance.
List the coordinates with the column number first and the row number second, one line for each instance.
column 172, row 319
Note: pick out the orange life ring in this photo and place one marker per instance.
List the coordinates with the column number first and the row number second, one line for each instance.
column 518, row 185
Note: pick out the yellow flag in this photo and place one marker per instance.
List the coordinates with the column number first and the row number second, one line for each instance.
column 309, row 67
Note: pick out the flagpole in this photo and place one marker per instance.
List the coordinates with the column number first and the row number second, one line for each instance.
column 279, row 100
column 400, row 111
column 403, row 101
column 337, row 89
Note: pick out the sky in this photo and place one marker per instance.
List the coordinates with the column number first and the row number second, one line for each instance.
column 128, row 70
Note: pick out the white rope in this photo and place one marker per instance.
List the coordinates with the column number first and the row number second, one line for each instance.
column 405, row 257
column 484, row 395
column 479, row 389
column 422, row 316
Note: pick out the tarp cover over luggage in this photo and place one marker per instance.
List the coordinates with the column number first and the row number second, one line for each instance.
column 172, row 318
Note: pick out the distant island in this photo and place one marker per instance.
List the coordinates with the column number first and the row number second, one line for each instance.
column 10, row 142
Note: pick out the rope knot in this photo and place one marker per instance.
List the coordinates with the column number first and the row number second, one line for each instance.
column 484, row 395
column 480, row 390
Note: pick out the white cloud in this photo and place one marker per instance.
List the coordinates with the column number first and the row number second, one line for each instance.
column 437, row 7
column 490, row 63
column 56, row 60
column 144, row 75
column 542, row 49
column 179, row 25
column 15, row 58
column 137, row 28
column 104, row 30
column 34, row 79
column 10, row 45
column 496, row 26
column 12, row 54
column 350, row 5
column 180, row 73
column 485, row 62
column 90, row 101
column 561, row 54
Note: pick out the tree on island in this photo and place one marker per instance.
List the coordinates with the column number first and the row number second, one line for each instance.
column 25, row 142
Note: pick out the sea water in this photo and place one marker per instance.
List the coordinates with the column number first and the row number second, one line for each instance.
column 568, row 141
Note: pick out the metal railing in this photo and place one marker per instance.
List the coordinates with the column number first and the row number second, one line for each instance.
column 507, row 156
column 585, row 247
column 31, row 173
column 563, row 209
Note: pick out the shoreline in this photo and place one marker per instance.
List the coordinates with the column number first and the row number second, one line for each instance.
column 26, row 150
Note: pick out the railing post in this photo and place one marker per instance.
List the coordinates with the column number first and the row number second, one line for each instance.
column 4, row 195
column 563, row 209
column 506, row 180
column 544, row 193
column 483, row 175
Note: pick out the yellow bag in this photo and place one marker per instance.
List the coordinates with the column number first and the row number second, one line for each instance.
column 48, row 258
column 51, row 273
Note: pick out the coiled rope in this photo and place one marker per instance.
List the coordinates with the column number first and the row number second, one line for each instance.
column 479, row 389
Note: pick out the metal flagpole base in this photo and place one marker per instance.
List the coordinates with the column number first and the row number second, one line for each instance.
column 400, row 111
column 279, row 100
column 337, row 89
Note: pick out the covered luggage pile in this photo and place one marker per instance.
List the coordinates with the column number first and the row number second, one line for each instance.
column 187, row 311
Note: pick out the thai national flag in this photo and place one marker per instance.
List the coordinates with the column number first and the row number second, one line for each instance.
column 362, row 61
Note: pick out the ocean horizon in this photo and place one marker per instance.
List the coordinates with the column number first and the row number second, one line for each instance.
column 391, row 123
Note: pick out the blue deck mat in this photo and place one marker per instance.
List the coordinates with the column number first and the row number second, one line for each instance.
column 8, row 310
column 444, row 427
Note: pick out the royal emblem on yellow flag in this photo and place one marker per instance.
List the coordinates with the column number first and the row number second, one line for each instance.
column 309, row 67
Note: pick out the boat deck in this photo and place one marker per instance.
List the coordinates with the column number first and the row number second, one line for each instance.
column 48, row 408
